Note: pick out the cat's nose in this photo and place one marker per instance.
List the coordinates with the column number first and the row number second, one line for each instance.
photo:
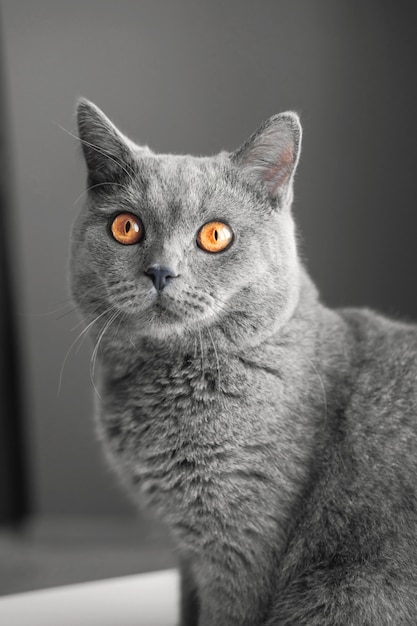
column 160, row 275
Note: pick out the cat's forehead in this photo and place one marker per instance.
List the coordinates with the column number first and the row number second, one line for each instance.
column 176, row 189
column 180, row 178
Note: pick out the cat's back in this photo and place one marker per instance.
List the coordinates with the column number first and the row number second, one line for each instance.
column 384, row 380
column 377, row 433
column 358, row 526
column 372, row 445
column 366, row 465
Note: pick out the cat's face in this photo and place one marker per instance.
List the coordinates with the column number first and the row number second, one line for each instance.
column 169, row 245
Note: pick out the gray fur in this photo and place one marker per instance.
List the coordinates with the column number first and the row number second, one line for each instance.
column 274, row 437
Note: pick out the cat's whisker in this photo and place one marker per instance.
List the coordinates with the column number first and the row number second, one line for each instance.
column 203, row 371
column 85, row 334
column 119, row 314
column 121, row 318
column 94, row 355
column 94, row 385
column 213, row 297
column 67, row 302
column 79, row 336
column 96, row 348
column 82, row 320
column 103, row 330
column 216, row 299
column 217, row 360
column 220, row 307
column 73, row 310
column 83, row 193
column 215, row 309
column 132, row 342
column 64, row 301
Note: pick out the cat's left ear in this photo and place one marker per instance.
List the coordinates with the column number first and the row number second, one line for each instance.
column 270, row 156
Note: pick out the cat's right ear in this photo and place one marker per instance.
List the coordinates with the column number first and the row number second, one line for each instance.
column 107, row 152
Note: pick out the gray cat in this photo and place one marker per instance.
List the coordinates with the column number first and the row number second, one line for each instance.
column 276, row 439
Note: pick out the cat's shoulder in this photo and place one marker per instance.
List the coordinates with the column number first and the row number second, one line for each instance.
column 379, row 333
column 384, row 364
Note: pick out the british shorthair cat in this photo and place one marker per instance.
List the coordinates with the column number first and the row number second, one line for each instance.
column 274, row 437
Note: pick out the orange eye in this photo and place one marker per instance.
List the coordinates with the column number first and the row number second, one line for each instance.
column 127, row 229
column 214, row 237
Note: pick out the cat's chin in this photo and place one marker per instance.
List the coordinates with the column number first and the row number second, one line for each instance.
column 162, row 329
column 158, row 322
column 163, row 323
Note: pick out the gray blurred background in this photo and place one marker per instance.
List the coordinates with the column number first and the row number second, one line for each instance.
column 189, row 76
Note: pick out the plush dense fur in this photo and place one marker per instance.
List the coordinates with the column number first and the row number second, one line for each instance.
column 274, row 437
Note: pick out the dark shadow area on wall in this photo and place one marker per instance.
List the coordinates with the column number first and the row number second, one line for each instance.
column 14, row 502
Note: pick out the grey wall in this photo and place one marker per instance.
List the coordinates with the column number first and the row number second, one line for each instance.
column 190, row 76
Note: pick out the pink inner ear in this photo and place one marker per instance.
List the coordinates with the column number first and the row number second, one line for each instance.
column 278, row 174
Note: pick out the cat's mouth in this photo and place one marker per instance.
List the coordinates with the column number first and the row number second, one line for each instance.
column 166, row 310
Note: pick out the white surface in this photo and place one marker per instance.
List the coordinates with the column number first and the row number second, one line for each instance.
column 142, row 600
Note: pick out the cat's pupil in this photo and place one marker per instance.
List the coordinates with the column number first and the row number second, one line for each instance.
column 216, row 235
column 127, row 227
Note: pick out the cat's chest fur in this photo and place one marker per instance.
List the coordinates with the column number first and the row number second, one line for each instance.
column 199, row 435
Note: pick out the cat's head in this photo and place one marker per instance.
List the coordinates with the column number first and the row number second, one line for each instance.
column 171, row 245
